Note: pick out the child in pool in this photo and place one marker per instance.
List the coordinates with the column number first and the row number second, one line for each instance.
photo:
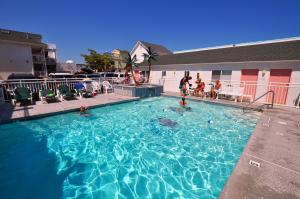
column 83, row 111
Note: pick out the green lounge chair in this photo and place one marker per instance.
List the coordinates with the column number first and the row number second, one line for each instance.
column 22, row 95
column 47, row 95
column 64, row 92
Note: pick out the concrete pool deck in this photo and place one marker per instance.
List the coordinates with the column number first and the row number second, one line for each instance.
column 10, row 113
column 275, row 145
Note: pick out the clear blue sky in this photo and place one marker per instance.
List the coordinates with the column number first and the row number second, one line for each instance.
column 74, row 26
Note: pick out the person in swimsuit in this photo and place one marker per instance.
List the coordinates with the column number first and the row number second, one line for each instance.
column 199, row 90
column 83, row 111
column 216, row 89
column 183, row 89
column 183, row 85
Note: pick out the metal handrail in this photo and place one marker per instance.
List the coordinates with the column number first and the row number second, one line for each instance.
column 272, row 103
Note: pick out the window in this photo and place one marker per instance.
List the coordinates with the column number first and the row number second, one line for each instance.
column 186, row 73
column 216, row 75
column 109, row 75
column 144, row 73
column 163, row 73
column 226, row 75
column 223, row 75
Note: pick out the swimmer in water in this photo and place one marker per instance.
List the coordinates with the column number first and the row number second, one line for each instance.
column 83, row 111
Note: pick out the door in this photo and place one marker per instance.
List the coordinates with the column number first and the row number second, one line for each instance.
column 249, row 80
column 279, row 82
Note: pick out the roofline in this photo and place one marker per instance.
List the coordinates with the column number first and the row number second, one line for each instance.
column 239, row 45
column 135, row 46
column 220, row 63
column 41, row 44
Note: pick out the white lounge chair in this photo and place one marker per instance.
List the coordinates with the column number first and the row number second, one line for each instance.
column 225, row 90
column 96, row 87
column 107, row 86
column 207, row 90
column 238, row 92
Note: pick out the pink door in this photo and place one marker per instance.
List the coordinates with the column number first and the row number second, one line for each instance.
column 249, row 79
column 279, row 82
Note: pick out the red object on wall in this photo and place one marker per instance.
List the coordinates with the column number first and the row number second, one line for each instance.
column 249, row 79
column 279, row 82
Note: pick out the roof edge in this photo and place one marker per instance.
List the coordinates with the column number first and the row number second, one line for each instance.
column 219, row 63
column 240, row 44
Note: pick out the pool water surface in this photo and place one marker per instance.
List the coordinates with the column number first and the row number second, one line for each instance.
column 142, row 149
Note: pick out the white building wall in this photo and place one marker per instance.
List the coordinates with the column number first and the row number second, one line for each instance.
column 174, row 73
column 15, row 58
column 52, row 51
column 139, row 52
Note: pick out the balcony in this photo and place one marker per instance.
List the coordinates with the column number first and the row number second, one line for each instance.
column 50, row 61
column 38, row 59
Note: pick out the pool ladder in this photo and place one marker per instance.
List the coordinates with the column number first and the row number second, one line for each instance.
column 260, row 108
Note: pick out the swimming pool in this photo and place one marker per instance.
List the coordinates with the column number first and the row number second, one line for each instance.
column 140, row 149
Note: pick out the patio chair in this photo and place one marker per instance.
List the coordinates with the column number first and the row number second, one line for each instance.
column 239, row 93
column 64, row 92
column 47, row 95
column 96, row 87
column 22, row 94
column 207, row 90
column 89, row 88
column 107, row 86
column 81, row 91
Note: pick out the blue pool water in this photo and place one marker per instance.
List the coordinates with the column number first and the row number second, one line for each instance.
column 142, row 149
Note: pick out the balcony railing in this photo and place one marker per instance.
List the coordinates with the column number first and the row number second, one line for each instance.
column 38, row 59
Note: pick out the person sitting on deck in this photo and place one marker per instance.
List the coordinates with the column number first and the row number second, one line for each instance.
column 199, row 90
column 216, row 89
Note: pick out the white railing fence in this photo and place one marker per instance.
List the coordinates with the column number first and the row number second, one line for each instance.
column 285, row 93
column 35, row 85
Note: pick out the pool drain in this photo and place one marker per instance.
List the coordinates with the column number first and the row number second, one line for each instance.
column 254, row 163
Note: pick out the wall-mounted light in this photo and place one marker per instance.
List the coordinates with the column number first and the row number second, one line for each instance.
column 263, row 72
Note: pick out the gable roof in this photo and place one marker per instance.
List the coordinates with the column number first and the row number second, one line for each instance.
column 271, row 51
column 159, row 49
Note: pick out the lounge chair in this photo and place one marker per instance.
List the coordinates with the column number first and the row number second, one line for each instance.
column 207, row 90
column 22, row 94
column 107, row 86
column 82, row 91
column 97, row 88
column 64, row 92
column 47, row 95
column 238, row 92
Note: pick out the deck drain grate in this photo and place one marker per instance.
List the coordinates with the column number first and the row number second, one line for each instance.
column 282, row 122
column 254, row 163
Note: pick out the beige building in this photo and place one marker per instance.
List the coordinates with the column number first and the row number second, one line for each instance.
column 119, row 59
column 24, row 53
